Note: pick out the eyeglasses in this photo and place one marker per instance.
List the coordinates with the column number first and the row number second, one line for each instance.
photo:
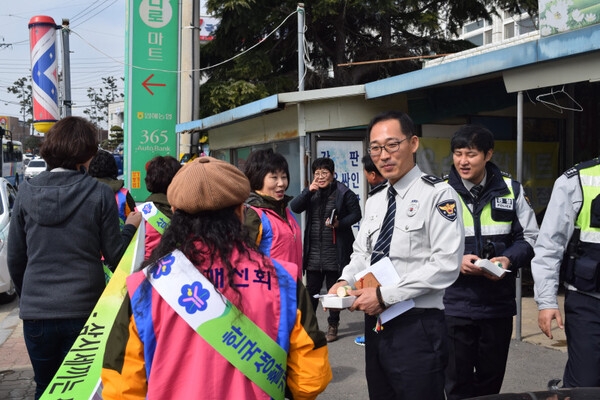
column 323, row 174
column 391, row 147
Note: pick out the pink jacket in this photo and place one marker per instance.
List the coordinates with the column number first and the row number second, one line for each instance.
column 280, row 239
column 152, row 239
column 165, row 359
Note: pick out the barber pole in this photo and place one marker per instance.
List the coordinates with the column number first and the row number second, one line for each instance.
column 44, row 65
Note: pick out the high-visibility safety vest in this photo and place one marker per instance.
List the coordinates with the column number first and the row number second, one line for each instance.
column 582, row 269
column 491, row 224
column 490, row 221
column 590, row 186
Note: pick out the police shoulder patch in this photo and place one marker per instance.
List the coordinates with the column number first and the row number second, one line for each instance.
column 506, row 174
column 574, row 171
column 432, row 179
column 571, row 172
column 448, row 209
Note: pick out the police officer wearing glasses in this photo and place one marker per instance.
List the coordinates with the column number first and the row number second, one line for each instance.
column 415, row 222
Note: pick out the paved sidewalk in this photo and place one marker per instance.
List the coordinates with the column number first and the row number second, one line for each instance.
column 531, row 333
column 16, row 374
column 531, row 363
column 347, row 359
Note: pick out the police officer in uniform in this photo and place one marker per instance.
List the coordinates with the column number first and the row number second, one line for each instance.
column 416, row 222
column 500, row 226
column 572, row 225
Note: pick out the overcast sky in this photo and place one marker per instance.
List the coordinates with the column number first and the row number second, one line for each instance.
column 97, row 45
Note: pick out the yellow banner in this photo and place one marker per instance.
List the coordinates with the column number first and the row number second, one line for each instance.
column 79, row 375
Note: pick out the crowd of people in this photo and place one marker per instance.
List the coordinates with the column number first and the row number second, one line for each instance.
column 218, row 309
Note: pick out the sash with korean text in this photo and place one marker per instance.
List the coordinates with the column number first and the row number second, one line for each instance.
column 220, row 323
column 154, row 216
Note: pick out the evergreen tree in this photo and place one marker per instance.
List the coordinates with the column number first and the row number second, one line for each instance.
column 338, row 32
column 22, row 89
column 115, row 137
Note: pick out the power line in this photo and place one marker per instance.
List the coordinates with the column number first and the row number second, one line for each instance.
column 391, row 60
column 114, row 1
column 191, row 70
column 86, row 10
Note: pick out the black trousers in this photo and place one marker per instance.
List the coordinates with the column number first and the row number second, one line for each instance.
column 406, row 360
column 314, row 283
column 478, row 351
column 582, row 327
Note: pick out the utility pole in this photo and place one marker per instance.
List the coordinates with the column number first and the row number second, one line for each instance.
column 304, row 153
column 189, row 77
column 301, row 66
column 65, row 31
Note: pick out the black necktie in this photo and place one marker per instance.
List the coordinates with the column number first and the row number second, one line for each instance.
column 382, row 247
column 476, row 190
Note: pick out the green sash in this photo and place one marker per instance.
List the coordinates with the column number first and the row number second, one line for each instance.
column 154, row 216
column 220, row 323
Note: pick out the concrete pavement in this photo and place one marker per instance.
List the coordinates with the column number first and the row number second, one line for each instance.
column 16, row 374
column 532, row 361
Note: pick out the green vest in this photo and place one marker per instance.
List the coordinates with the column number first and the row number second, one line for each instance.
column 590, row 186
column 581, row 266
column 489, row 226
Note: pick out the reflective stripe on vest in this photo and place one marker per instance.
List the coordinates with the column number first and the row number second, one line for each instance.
column 590, row 186
column 489, row 227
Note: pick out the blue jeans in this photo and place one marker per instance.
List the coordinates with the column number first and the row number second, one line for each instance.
column 48, row 341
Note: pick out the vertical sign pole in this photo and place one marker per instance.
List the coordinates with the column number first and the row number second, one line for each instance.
column 66, row 49
column 151, row 87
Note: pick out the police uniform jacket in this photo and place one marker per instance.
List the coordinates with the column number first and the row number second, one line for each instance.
column 427, row 243
column 503, row 220
column 568, row 201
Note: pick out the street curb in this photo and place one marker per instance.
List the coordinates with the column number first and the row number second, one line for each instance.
column 8, row 325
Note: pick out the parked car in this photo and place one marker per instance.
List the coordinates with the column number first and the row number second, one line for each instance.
column 34, row 167
column 26, row 158
column 8, row 193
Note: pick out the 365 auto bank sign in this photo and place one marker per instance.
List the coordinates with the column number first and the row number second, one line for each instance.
column 152, row 60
